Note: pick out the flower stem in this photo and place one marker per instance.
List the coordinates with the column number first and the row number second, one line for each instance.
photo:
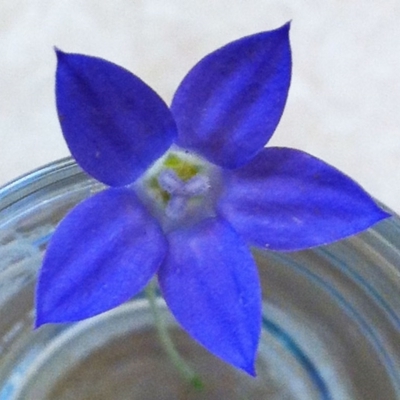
column 185, row 370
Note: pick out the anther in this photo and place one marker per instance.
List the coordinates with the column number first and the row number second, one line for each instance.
column 170, row 181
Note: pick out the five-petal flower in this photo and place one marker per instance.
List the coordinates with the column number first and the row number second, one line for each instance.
column 192, row 188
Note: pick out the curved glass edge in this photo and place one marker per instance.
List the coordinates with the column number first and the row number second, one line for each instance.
column 307, row 364
column 37, row 179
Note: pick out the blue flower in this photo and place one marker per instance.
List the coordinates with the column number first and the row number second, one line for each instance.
column 192, row 187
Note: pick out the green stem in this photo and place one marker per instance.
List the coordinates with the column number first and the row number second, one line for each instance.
column 185, row 370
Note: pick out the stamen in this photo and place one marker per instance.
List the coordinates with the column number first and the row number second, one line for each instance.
column 170, row 181
column 176, row 207
column 196, row 186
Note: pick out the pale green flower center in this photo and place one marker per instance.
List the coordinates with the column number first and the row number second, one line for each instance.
column 178, row 188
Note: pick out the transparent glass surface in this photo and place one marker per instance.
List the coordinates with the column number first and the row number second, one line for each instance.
column 331, row 319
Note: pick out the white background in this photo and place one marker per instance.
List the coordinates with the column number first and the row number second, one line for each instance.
column 344, row 104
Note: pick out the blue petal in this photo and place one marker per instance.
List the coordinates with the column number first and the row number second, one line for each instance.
column 288, row 200
column 210, row 283
column 230, row 103
column 114, row 124
column 103, row 253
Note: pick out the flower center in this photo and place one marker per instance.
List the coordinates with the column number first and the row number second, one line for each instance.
column 178, row 192
column 179, row 188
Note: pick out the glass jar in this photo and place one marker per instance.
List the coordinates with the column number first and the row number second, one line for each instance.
column 331, row 319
